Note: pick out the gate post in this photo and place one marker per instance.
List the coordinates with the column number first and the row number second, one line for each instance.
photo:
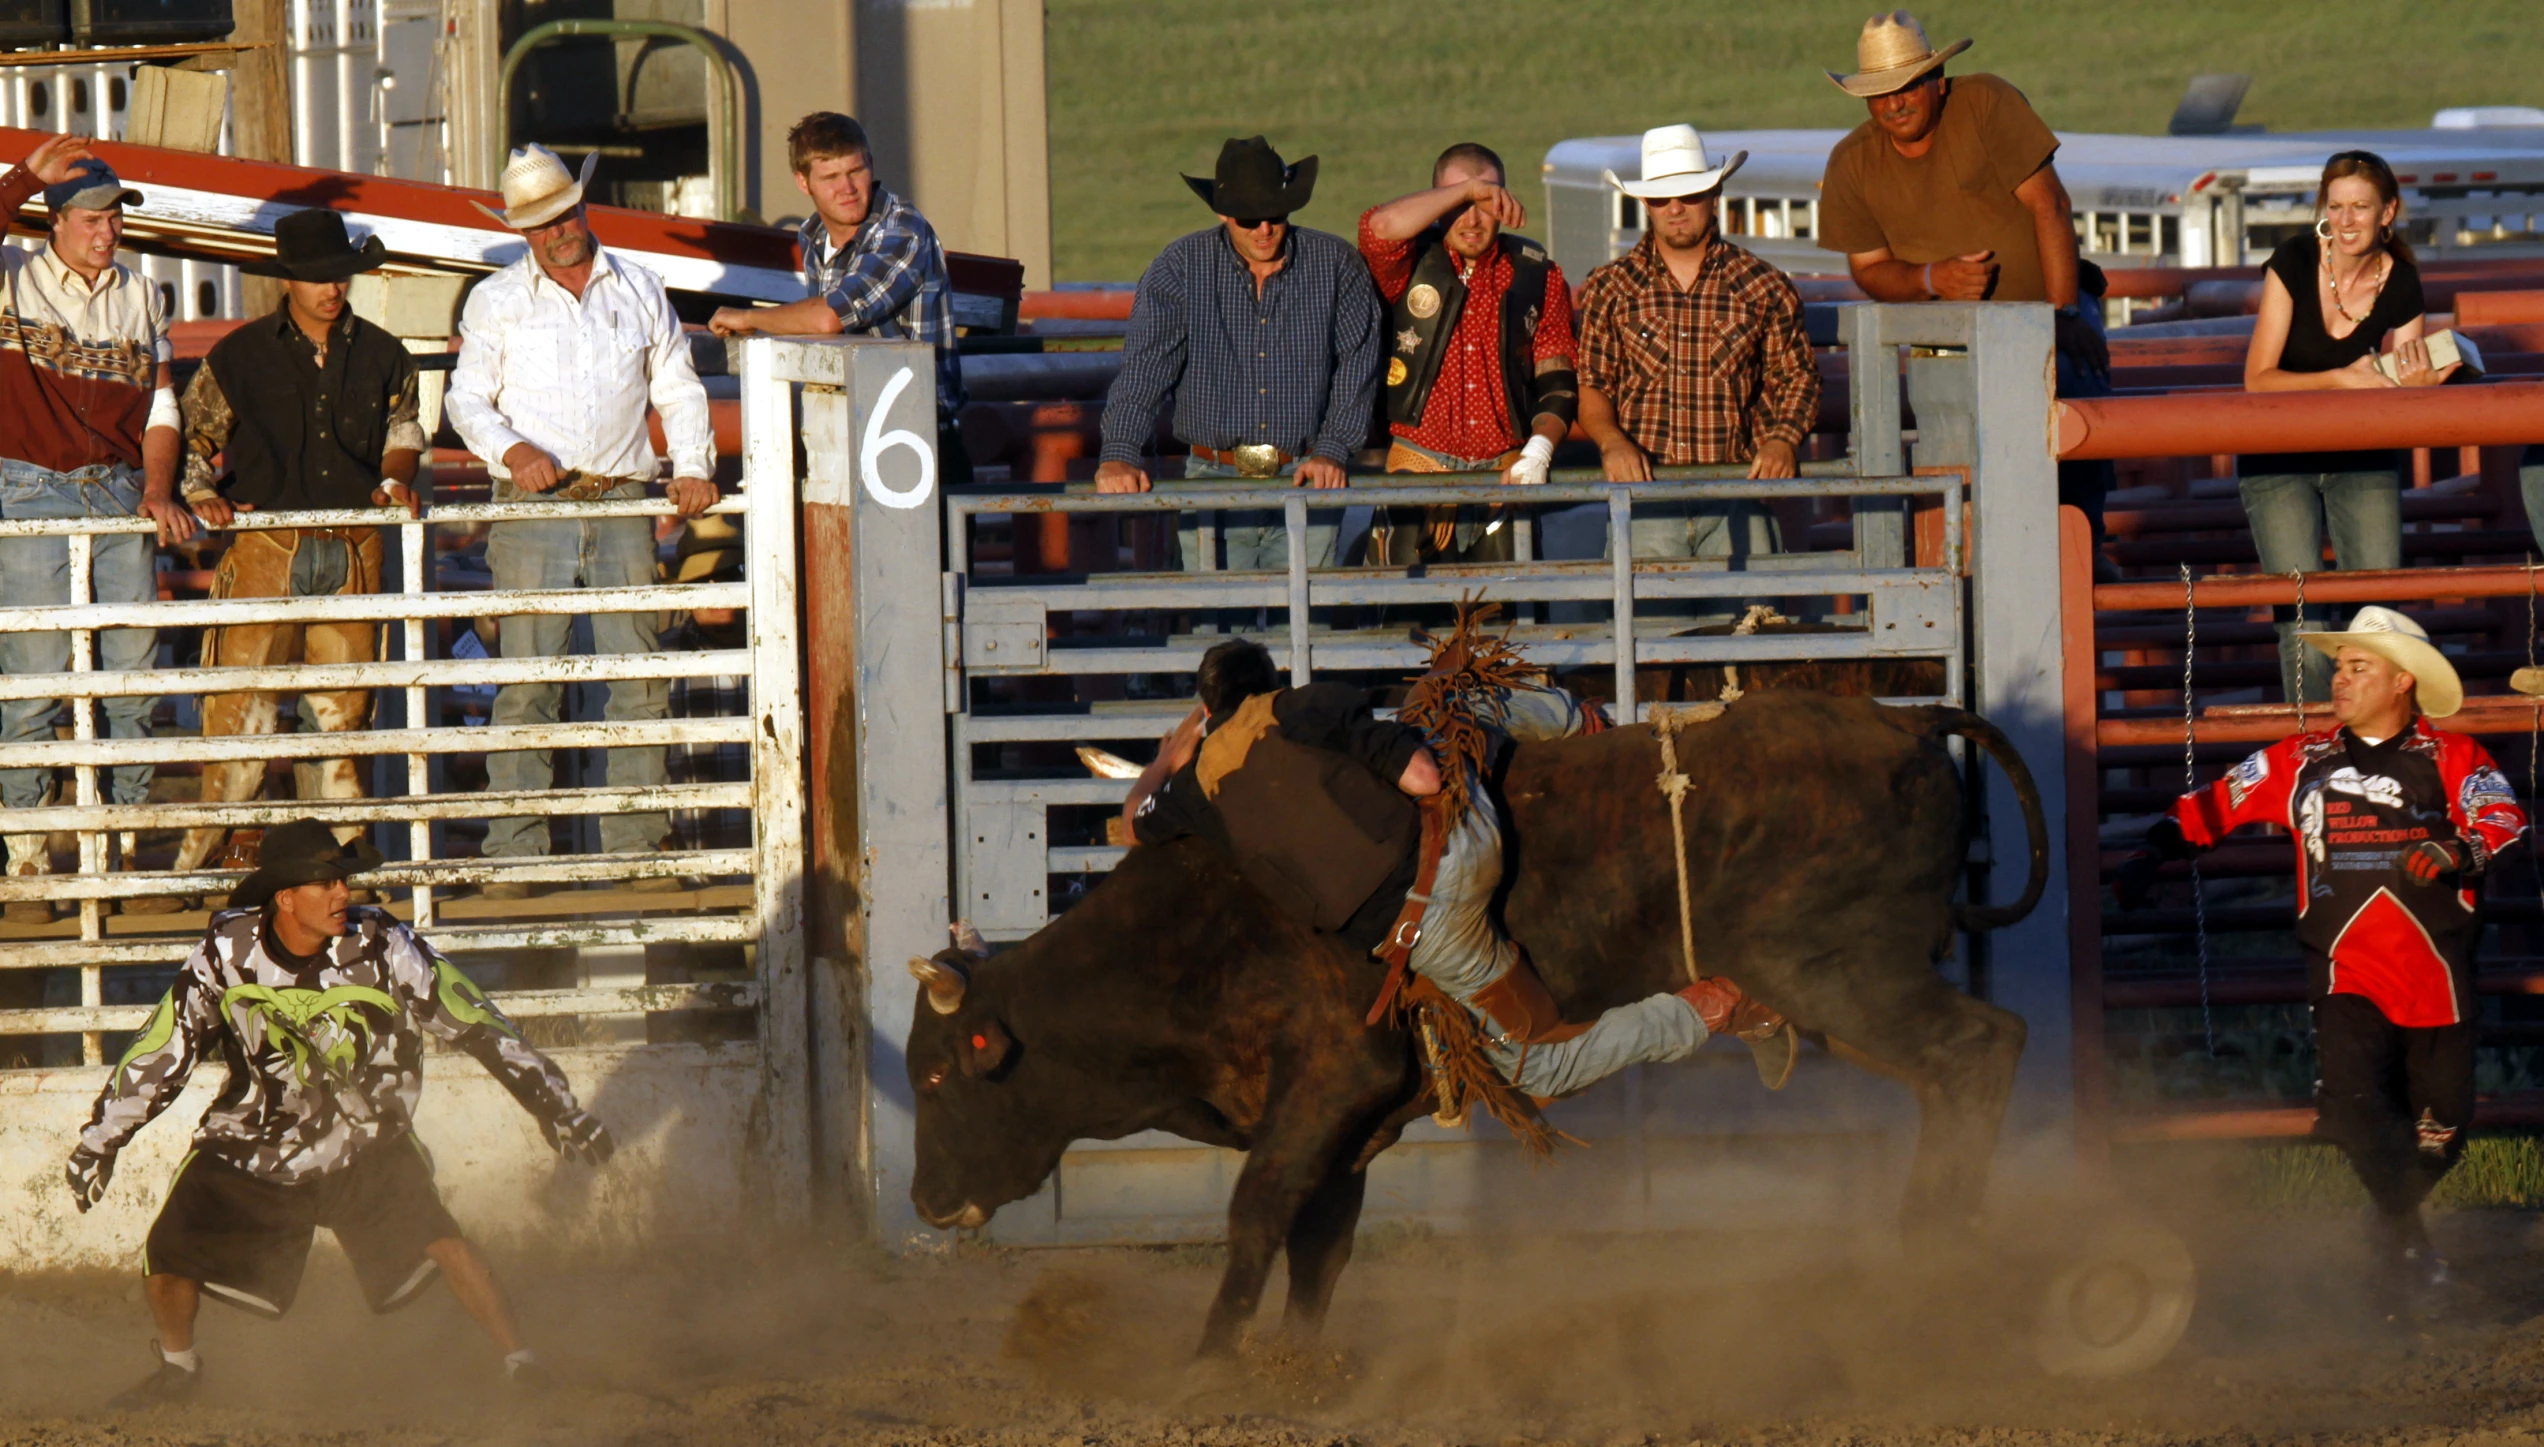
column 878, row 857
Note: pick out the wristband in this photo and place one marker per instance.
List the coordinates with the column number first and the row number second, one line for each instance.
column 1540, row 448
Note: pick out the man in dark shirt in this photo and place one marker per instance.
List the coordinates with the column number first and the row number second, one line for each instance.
column 1268, row 334
column 2395, row 824
column 1312, row 797
column 310, row 408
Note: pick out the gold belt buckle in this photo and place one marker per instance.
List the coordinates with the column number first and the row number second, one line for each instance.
column 1257, row 459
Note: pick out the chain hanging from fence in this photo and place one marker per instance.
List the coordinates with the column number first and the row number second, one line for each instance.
column 2190, row 782
column 2534, row 722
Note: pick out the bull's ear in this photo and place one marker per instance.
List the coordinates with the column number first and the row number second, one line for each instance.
column 984, row 1050
column 945, row 983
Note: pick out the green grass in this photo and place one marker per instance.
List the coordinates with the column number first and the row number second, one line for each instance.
column 1142, row 89
column 2497, row 1170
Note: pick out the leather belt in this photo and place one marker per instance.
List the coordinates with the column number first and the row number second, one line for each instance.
column 1406, row 932
column 1250, row 459
column 579, row 486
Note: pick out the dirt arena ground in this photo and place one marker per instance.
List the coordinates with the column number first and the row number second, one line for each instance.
column 1765, row 1340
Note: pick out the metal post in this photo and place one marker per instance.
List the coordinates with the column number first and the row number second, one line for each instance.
column 416, row 555
column 1881, row 524
column 1294, row 524
column 1621, row 569
column 92, row 842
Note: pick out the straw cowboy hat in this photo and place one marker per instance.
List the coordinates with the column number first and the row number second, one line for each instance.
column 1892, row 54
column 2405, row 644
column 537, row 189
column 1674, row 164
column 1252, row 181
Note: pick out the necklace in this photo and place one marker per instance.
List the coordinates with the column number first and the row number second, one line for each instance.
column 2332, row 283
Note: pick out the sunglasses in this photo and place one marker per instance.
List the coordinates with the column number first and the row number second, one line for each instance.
column 1667, row 202
column 1243, row 224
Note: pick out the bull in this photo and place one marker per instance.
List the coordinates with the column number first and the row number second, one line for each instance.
column 1824, row 837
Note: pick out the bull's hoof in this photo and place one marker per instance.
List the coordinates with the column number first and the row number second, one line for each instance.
column 1213, row 1378
column 2119, row 1305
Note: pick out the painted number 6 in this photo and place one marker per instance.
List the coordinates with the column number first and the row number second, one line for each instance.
column 878, row 442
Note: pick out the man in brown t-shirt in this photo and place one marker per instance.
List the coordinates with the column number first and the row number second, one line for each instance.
column 1948, row 193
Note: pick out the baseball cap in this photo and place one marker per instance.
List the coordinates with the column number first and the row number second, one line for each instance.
column 93, row 186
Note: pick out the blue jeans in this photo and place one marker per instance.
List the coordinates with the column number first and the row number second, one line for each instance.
column 1462, row 951
column 2531, row 489
column 37, row 571
column 1254, row 540
column 2288, row 512
column 596, row 553
column 1737, row 531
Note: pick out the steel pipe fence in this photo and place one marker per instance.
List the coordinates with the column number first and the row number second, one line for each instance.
column 1000, row 630
column 752, row 914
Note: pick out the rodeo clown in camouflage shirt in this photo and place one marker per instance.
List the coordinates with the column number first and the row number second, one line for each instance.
column 320, row 1010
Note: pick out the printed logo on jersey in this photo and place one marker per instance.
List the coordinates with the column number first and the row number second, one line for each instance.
column 2375, row 788
column 2484, row 788
column 2310, row 828
column 325, row 1032
column 2246, row 777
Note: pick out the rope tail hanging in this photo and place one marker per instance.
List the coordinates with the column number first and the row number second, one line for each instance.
column 2190, row 783
column 1666, row 722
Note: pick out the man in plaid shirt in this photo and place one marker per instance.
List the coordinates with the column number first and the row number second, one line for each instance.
column 872, row 267
column 1692, row 351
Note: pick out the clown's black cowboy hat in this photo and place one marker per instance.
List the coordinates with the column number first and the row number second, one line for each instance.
column 1251, row 181
column 304, row 851
column 312, row 246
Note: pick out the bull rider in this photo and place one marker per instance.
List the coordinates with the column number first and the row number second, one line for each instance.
column 1336, row 843
column 2395, row 825
column 321, row 1009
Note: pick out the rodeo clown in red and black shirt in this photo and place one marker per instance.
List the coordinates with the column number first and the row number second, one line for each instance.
column 2395, row 824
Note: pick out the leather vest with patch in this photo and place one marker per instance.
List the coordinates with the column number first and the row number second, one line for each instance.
column 1314, row 830
column 1427, row 316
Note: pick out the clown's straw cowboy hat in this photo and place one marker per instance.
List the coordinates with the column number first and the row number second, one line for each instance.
column 302, row 852
column 537, row 189
column 1892, row 54
column 1674, row 164
column 2406, row 645
column 1252, row 182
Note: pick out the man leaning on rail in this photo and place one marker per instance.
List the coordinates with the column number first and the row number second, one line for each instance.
column 560, row 354
column 311, row 408
column 1693, row 351
column 88, row 429
column 1268, row 334
column 320, row 1008
column 1480, row 375
column 2395, row 825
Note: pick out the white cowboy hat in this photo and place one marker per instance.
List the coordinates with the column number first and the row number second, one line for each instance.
column 1892, row 54
column 1674, row 164
column 2405, row 644
column 537, row 189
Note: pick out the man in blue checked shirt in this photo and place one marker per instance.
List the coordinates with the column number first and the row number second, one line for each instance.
column 1269, row 335
column 872, row 267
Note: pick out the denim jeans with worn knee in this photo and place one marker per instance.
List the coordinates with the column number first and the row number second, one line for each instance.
column 568, row 553
column 1255, row 540
column 37, row 571
column 1733, row 531
column 2288, row 512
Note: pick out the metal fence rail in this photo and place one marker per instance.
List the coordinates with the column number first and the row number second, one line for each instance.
column 108, row 833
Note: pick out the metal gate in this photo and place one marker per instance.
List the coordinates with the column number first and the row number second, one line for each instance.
column 1028, row 667
column 699, row 1068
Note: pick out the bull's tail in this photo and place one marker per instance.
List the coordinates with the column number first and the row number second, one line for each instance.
column 2000, row 748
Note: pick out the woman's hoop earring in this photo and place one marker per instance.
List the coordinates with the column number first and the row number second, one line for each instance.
column 2323, row 228
column 2385, row 234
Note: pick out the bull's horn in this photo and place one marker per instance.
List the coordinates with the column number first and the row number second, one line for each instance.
column 945, row 983
column 1106, row 765
column 968, row 939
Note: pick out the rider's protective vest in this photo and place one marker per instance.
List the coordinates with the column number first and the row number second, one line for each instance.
column 1317, row 831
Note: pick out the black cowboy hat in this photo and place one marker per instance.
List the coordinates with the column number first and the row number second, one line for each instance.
column 1252, row 182
column 312, row 246
column 304, row 851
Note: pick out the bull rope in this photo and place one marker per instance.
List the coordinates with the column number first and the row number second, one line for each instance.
column 1666, row 722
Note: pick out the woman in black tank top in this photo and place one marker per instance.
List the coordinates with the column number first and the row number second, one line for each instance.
column 2330, row 301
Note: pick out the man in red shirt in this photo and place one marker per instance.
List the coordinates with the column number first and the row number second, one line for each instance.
column 1479, row 371
column 2395, row 824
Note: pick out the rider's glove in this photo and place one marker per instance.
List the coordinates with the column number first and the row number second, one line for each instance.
column 88, row 1174
column 1534, row 459
column 2431, row 858
column 580, row 1137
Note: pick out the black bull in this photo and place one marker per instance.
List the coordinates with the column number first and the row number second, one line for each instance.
column 1824, row 837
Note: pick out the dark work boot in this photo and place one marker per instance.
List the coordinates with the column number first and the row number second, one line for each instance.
column 169, row 1384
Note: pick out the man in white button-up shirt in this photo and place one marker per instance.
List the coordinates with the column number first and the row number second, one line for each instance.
column 560, row 354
